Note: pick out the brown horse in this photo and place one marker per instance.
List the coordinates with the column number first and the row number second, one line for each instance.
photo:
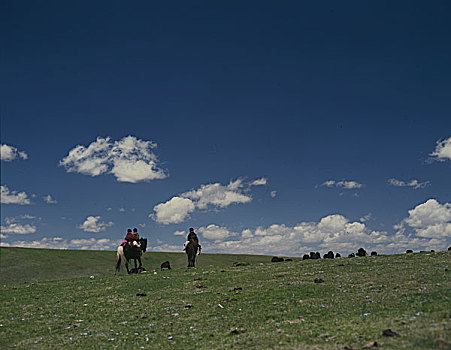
column 192, row 249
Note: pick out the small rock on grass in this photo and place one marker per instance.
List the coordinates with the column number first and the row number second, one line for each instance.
column 237, row 331
column 371, row 344
column 143, row 294
column 319, row 280
column 325, row 335
column 143, row 315
column 188, row 306
column 389, row 333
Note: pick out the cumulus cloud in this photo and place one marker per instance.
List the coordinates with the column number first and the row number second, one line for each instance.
column 430, row 219
column 93, row 224
column 48, row 199
column 9, row 153
column 273, row 194
column 347, row 185
column 442, row 150
column 415, row 184
column 174, row 211
column 179, row 233
column 13, row 197
column 178, row 208
column 215, row 232
column 60, row 243
column 427, row 226
column 18, row 229
column 129, row 159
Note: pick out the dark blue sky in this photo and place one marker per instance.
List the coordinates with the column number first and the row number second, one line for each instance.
column 295, row 93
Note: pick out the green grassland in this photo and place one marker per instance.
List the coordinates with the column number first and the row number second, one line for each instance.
column 217, row 305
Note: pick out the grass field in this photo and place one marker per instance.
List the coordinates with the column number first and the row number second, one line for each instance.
column 262, row 305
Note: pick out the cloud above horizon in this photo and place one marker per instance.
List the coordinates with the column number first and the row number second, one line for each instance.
column 216, row 195
column 10, row 153
column 93, row 224
column 18, row 229
column 415, row 184
column 442, row 150
column 427, row 226
column 13, row 197
column 49, row 200
column 129, row 159
column 347, row 185
column 60, row 243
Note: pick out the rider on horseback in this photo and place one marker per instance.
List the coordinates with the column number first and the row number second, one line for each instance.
column 131, row 238
column 192, row 236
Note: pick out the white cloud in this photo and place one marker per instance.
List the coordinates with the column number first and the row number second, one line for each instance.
column 273, row 194
column 122, row 210
column 348, row 185
column 2, row 236
column 218, row 195
column 442, row 150
column 173, row 211
column 428, row 226
column 9, row 153
column 178, row 208
column 215, row 232
column 60, row 243
column 48, row 199
column 129, row 159
column 366, row 217
column 430, row 219
column 164, row 247
column 93, row 224
column 259, row 182
column 13, row 197
column 18, row 229
column 179, row 233
column 412, row 183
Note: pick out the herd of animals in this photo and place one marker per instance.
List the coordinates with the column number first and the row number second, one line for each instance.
column 191, row 251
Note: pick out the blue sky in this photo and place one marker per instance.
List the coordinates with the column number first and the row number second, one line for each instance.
column 271, row 128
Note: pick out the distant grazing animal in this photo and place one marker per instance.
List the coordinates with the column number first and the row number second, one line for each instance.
column 449, row 248
column 314, row 255
column 362, row 252
column 432, row 251
column 165, row 266
column 409, row 251
column 131, row 252
column 192, row 249
column 337, row 255
column 329, row 255
column 373, row 253
column 306, row 257
column 352, row 255
column 277, row 259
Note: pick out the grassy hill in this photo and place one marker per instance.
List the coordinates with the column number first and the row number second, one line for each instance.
column 30, row 265
column 220, row 306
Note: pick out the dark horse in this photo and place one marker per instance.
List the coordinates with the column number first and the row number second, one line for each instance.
column 192, row 249
column 131, row 252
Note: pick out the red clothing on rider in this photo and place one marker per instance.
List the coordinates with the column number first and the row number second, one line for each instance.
column 129, row 238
